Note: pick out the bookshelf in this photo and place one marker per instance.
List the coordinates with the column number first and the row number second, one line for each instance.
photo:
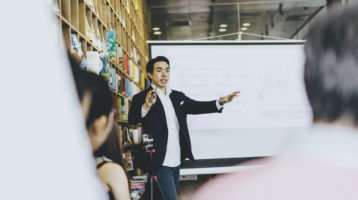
column 119, row 29
column 125, row 17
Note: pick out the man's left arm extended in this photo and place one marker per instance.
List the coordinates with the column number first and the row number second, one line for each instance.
column 201, row 107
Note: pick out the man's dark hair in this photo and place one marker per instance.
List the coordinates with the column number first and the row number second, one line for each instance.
column 331, row 67
column 150, row 64
column 97, row 87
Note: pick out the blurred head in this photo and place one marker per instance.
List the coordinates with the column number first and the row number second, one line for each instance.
column 158, row 71
column 97, row 103
column 111, row 148
column 331, row 67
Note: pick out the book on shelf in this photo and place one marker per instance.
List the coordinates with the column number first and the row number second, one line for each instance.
column 92, row 6
column 123, row 109
column 128, row 85
column 126, row 109
column 76, row 51
column 123, row 88
column 125, row 137
column 115, row 107
column 128, row 9
column 94, row 62
column 119, row 57
column 133, row 36
column 125, row 62
column 142, row 178
column 108, row 17
column 112, row 45
column 136, row 134
column 137, row 74
column 90, row 35
column 119, row 109
column 136, row 5
column 130, row 68
column 138, row 186
column 123, row 20
column 102, row 45
column 112, row 78
column 142, row 79
column 117, row 81
column 135, row 55
column 128, row 163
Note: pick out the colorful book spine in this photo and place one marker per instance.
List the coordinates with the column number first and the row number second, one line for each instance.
column 124, row 85
column 125, row 60
column 115, row 107
column 112, row 45
column 119, row 109
column 128, row 94
column 123, row 109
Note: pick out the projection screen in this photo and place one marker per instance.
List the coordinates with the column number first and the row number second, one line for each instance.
column 271, row 108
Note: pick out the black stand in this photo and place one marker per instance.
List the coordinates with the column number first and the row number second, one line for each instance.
column 153, row 179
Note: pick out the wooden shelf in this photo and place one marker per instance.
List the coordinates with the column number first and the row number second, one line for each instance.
column 122, row 121
column 121, row 95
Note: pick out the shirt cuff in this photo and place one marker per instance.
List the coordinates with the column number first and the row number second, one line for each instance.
column 144, row 112
column 217, row 105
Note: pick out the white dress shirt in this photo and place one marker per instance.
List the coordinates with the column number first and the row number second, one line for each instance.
column 172, row 155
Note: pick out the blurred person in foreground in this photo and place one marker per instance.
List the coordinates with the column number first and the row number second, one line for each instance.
column 97, row 105
column 323, row 162
column 96, row 102
column 110, row 166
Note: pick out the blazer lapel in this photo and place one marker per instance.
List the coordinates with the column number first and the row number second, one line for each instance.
column 159, row 109
column 175, row 101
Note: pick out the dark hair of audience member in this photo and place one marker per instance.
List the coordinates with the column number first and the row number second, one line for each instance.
column 331, row 67
column 101, row 96
column 111, row 148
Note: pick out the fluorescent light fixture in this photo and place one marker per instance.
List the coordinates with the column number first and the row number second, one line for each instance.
column 244, row 28
column 222, row 29
column 246, row 24
column 157, row 33
column 156, row 28
column 223, row 25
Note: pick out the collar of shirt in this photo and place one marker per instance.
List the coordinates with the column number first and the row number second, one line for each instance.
column 160, row 92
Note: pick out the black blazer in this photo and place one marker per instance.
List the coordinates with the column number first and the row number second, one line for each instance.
column 155, row 124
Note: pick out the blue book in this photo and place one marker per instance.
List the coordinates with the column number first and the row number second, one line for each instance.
column 128, row 87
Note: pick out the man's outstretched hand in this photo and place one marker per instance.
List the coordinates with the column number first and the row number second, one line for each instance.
column 228, row 98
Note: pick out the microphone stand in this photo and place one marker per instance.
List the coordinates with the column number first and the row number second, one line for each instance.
column 149, row 149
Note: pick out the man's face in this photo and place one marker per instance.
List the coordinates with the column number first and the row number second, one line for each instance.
column 161, row 74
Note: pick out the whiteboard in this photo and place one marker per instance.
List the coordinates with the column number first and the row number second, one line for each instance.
column 272, row 105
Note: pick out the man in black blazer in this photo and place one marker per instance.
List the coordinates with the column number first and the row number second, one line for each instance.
column 165, row 119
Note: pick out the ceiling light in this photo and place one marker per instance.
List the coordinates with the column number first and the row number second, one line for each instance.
column 223, row 25
column 244, row 28
column 222, row 29
column 156, row 28
column 157, row 33
column 246, row 24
